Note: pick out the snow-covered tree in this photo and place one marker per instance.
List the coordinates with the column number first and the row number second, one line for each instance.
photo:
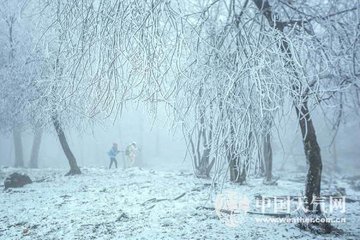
column 319, row 42
column 16, row 73
column 225, row 69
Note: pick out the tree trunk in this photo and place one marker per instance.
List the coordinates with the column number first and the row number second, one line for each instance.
column 237, row 172
column 232, row 158
column 313, row 157
column 234, row 168
column 335, row 157
column 74, row 169
column 18, row 147
column 311, row 146
column 36, row 148
column 267, row 158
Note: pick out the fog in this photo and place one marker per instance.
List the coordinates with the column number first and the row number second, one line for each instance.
column 163, row 147
column 167, row 119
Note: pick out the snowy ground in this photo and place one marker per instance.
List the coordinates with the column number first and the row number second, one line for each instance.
column 143, row 204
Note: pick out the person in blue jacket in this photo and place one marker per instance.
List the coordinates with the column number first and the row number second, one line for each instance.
column 112, row 154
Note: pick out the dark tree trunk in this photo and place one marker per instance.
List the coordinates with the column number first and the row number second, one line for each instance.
column 311, row 146
column 202, row 162
column 237, row 174
column 202, row 151
column 36, row 147
column 335, row 157
column 233, row 158
column 74, row 169
column 236, row 169
column 233, row 167
column 313, row 157
column 261, row 169
column 267, row 158
column 18, row 147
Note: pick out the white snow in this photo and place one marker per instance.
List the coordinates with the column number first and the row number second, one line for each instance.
column 139, row 204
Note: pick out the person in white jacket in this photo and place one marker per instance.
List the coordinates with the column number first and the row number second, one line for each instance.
column 130, row 154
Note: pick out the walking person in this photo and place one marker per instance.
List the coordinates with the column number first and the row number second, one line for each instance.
column 112, row 154
column 130, row 153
